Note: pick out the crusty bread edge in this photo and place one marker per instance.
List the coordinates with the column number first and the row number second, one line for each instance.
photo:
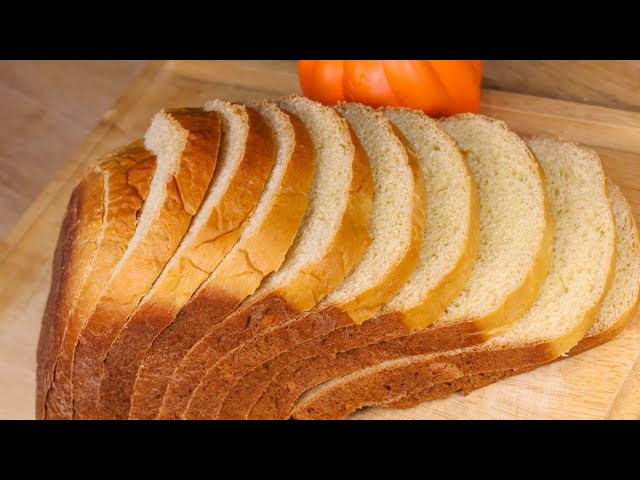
column 315, row 280
column 184, row 191
column 53, row 321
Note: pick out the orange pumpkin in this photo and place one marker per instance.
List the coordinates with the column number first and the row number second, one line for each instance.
column 438, row 87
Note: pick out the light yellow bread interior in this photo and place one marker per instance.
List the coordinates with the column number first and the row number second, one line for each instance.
column 331, row 199
column 449, row 247
column 451, row 237
column 397, row 221
column 516, row 228
column 506, row 162
column 584, row 250
column 396, row 229
column 504, row 198
column 624, row 294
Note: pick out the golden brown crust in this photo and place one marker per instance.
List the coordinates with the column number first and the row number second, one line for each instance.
column 48, row 317
column 77, row 230
column 129, row 284
column 206, row 250
column 207, row 399
column 169, row 348
column 336, row 332
column 223, row 370
column 469, row 383
column 361, row 351
column 292, row 376
column 310, row 284
column 126, row 176
column 236, row 277
column 370, row 387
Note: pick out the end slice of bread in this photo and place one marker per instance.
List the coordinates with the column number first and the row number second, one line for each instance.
column 185, row 142
column 331, row 239
column 245, row 160
column 397, row 229
column 449, row 248
column 582, row 267
column 77, row 244
column 100, row 222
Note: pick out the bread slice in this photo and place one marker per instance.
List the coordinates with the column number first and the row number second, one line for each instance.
column 246, row 158
column 618, row 308
column 449, row 248
column 100, row 221
column 516, row 236
column 397, row 229
column 331, row 239
column 186, row 144
column 582, row 268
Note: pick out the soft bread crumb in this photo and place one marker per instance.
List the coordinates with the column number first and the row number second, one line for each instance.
column 167, row 139
column 583, row 244
column 626, row 284
column 329, row 190
column 512, row 213
column 390, row 226
column 285, row 140
column 234, row 128
column 448, row 216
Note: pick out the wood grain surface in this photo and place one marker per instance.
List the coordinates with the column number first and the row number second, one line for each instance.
column 603, row 383
column 607, row 83
column 48, row 108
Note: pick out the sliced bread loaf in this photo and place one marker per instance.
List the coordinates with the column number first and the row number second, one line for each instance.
column 449, row 248
column 186, row 144
column 617, row 310
column 245, row 160
column 331, row 239
column 397, row 229
column 582, row 268
column 100, row 221
column 516, row 236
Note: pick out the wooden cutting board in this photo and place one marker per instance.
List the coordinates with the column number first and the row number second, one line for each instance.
column 602, row 383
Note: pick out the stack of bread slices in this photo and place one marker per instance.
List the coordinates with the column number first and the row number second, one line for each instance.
column 287, row 259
